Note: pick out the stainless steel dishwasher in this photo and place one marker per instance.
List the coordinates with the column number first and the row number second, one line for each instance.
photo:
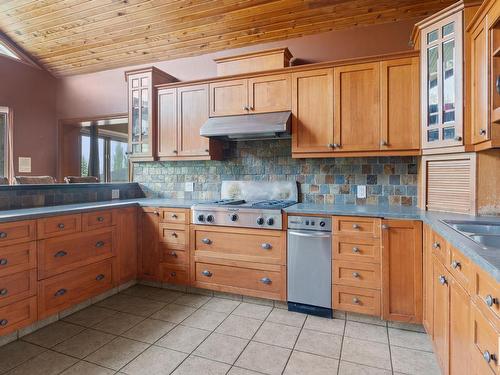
column 310, row 265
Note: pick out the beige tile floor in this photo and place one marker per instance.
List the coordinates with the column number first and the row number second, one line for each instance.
column 146, row 330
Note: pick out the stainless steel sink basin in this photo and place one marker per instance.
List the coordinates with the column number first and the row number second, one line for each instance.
column 486, row 234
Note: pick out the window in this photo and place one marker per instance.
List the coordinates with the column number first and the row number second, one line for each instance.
column 5, row 158
column 4, row 50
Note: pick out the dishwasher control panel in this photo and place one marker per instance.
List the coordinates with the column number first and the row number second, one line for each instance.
column 323, row 224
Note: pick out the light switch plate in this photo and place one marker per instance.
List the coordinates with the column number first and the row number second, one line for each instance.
column 189, row 186
column 115, row 193
column 361, row 191
column 24, row 164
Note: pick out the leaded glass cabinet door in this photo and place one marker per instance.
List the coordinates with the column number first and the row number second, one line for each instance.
column 442, row 83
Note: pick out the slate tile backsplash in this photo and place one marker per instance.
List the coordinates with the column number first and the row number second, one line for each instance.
column 389, row 180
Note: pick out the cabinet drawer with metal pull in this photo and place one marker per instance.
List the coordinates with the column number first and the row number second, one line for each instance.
column 59, row 226
column 96, row 220
column 265, row 283
column 17, row 232
column 485, row 344
column 358, row 300
column 17, row 315
column 360, row 226
column 62, row 291
column 440, row 248
column 364, row 275
column 17, row 258
column 57, row 255
column 174, row 274
column 486, row 295
column 175, row 216
column 173, row 235
column 240, row 244
column 353, row 248
column 17, row 286
column 173, row 256
column 461, row 268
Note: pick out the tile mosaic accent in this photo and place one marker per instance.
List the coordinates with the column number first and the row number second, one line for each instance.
column 28, row 196
column 389, row 180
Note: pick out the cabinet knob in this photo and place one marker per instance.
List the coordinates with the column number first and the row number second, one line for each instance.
column 442, row 280
column 3, row 262
column 355, row 226
column 60, row 254
column 173, row 274
column 482, row 131
column 175, row 235
column 99, row 277
column 3, row 235
column 3, row 292
column 4, row 322
column 99, row 244
column 458, row 138
column 490, row 300
column 207, row 273
column 336, row 145
column 497, row 84
column 355, row 250
column 60, row 292
column 384, row 143
column 172, row 254
column 455, row 264
column 174, row 216
column 206, row 241
column 436, row 245
column 251, row 108
column 266, row 280
column 355, row 274
column 100, row 219
column 488, row 357
column 207, row 150
column 60, row 226
column 174, row 151
column 385, row 226
column 156, row 213
column 245, row 108
column 330, row 145
column 356, row 300
column 266, row 246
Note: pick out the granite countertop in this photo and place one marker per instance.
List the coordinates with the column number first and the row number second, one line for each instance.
column 487, row 259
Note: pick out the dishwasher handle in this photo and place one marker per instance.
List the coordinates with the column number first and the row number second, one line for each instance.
column 310, row 234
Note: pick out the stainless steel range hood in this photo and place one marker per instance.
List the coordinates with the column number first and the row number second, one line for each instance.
column 246, row 127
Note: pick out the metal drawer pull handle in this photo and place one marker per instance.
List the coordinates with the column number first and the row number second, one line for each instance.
column 385, row 226
column 156, row 213
column 436, row 245
column 4, row 322
column 174, row 235
column 488, row 357
column 3, row 262
column 355, row 274
column 3, row 235
column 99, row 244
column 266, row 280
column 455, row 264
column 172, row 254
column 173, row 274
column 482, row 131
column 60, row 254
column 100, row 218
column 60, row 226
column 356, row 300
column 490, row 300
column 355, row 249
column 60, row 292
column 174, row 216
column 207, row 273
column 3, row 292
column 206, row 241
column 442, row 280
column 99, row 277
column 355, row 226
column 266, row 246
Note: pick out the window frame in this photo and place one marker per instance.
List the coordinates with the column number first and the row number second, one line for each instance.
column 8, row 137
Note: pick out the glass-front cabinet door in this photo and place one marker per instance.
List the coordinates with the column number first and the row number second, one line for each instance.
column 442, row 83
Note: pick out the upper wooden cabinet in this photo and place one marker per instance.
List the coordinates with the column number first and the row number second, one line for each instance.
column 261, row 94
column 181, row 113
column 312, row 108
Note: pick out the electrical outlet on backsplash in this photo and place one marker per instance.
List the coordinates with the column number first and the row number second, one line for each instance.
column 388, row 180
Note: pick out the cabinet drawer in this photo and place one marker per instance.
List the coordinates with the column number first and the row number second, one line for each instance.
column 174, row 275
column 174, row 236
column 440, row 248
column 174, row 216
column 352, row 248
column 486, row 294
column 241, row 244
column 360, row 226
column 17, row 315
column 359, row 300
column 62, row 291
column 363, row 275
column 57, row 255
column 485, row 344
column 172, row 256
column 461, row 268
column 96, row 220
column 266, row 283
column 17, row 232
column 17, row 258
column 17, row 286
column 59, row 225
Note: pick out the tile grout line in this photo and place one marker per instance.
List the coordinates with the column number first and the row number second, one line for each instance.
column 295, row 343
column 390, row 351
column 342, row 344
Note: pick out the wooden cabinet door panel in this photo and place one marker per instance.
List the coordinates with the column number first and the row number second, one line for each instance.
column 402, row 270
column 148, row 259
column 229, row 98
column 126, row 243
column 17, row 258
column 312, row 108
column 361, row 275
column 358, row 300
column 356, row 249
column 270, row 93
column 192, row 112
column 428, row 281
column 17, row 232
column 167, row 122
column 18, row 315
column 399, row 104
column 357, row 107
column 459, row 339
column 441, row 313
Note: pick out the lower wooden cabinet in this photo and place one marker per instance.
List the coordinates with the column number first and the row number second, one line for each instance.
column 440, row 313
column 485, row 349
column 459, row 329
column 18, row 315
column 358, row 300
column 18, row 286
column 148, row 254
column 126, row 243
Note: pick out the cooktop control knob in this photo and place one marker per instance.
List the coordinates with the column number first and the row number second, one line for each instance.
column 260, row 220
column 270, row 221
column 210, row 219
column 201, row 218
column 233, row 217
column 322, row 223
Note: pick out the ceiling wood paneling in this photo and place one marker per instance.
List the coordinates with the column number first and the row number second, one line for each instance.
column 82, row 36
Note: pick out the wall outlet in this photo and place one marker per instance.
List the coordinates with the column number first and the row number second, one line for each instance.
column 361, row 191
column 115, row 193
column 24, row 164
column 189, row 186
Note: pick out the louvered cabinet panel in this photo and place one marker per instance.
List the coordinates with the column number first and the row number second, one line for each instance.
column 449, row 183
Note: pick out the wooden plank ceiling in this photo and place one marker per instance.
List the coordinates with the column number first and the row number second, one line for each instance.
column 81, row 36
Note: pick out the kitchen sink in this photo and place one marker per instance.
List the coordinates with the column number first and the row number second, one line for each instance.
column 486, row 234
